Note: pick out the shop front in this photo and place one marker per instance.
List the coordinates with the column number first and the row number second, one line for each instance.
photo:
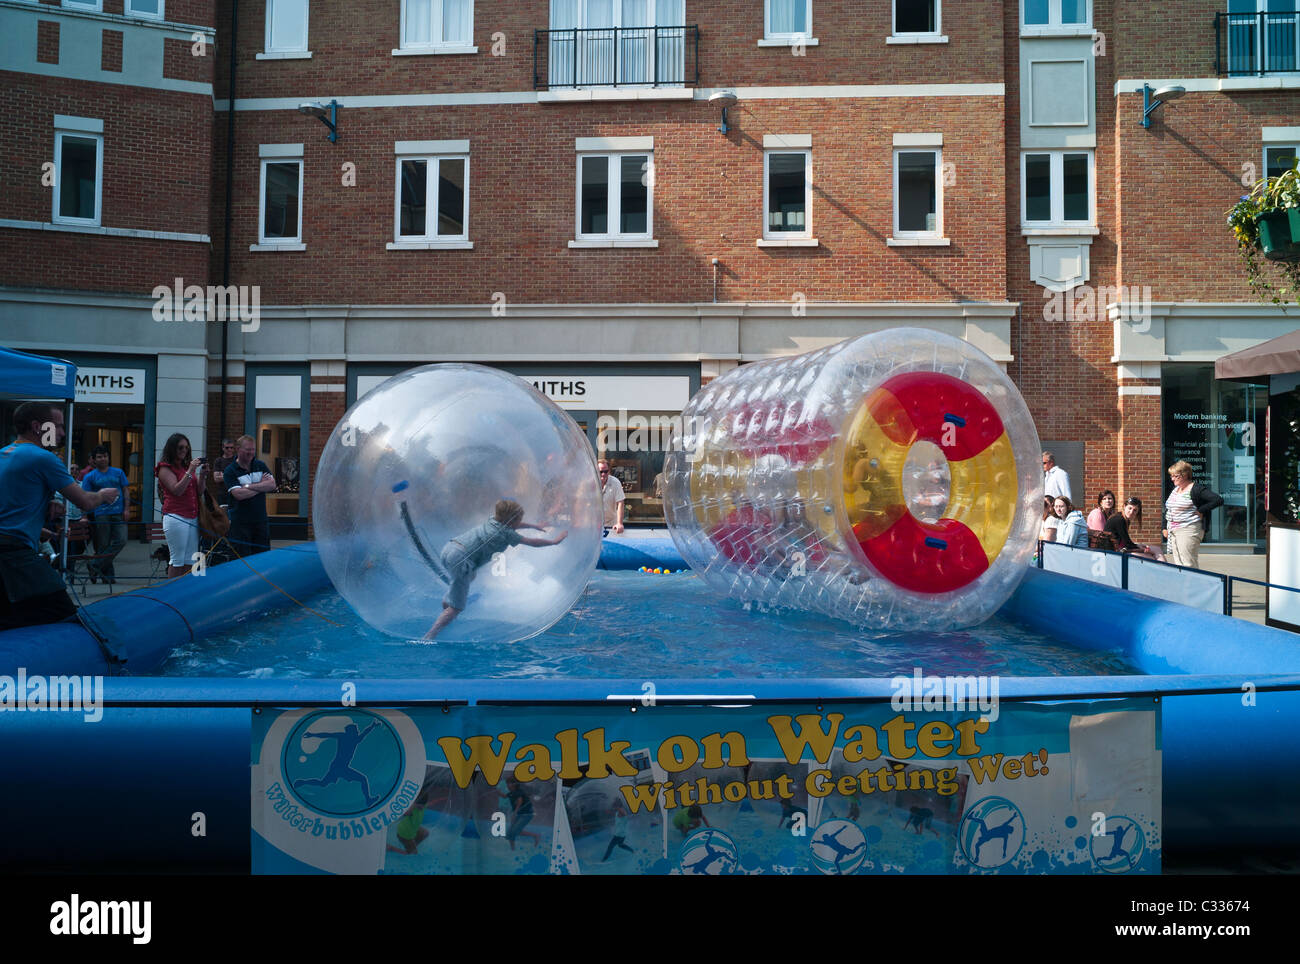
column 1218, row 428
column 627, row 411
column 277, row 420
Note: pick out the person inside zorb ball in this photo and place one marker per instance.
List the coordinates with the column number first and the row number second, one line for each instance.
column 457, row 502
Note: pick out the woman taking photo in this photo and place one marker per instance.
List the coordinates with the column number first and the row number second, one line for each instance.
column 1117, row 525
column 180, row 479
column 1186, row 511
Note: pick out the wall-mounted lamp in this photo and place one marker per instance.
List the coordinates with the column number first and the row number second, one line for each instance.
column 723, row 99
column 327, row 114
column 1151, row 99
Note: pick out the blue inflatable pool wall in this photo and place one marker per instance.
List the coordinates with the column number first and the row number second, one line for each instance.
column 124, row 793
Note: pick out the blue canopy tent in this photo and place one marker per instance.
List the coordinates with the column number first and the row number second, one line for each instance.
column 37, row 378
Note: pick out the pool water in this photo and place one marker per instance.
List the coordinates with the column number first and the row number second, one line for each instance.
column 631, row 625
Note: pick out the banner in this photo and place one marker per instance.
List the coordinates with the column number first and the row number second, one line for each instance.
column 907, row 787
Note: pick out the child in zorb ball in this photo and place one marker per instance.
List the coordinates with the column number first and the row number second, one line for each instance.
column 464, row 555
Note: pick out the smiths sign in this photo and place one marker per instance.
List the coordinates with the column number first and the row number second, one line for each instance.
column 114, row 386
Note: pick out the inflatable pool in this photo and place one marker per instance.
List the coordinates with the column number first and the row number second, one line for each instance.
column 167, row 750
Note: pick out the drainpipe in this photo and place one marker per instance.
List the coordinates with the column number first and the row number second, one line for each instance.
column 230, row 164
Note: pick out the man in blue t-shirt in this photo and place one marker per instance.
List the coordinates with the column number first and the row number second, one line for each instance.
column 247, row 482
column 108, row 522
column 30, row 591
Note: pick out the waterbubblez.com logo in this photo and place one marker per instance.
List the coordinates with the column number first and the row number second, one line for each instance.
column 342, row 763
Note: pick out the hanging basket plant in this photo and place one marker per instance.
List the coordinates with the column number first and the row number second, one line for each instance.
column 1266, row 225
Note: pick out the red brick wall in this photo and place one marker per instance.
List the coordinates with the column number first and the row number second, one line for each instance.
column 47, row 42
column 156, row 165
column 1178, row 41
column 110, row 56
column 182, row 63
column 708, row 203
column 352, row 46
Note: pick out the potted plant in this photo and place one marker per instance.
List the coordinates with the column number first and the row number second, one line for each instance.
column 1266, row 222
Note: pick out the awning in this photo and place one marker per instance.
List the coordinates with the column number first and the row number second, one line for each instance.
column 1278, row 356
column 34, row 376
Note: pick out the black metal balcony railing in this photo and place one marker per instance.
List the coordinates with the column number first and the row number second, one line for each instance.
column 616, row 57
column 1248, row 44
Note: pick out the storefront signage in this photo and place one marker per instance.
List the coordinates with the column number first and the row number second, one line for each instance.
column 111, row 386
column 651, row 393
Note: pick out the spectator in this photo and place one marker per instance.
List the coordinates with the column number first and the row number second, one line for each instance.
column 1187, row 511
column 1055, row 479
column 180, row 479
column 220, row 465
column 31, row 592
column 1104, row 510
column 247, row 482
column 1050, row 520
column 108, row 522
column 1117, row 525
column 1071, row 529
column 611, row 493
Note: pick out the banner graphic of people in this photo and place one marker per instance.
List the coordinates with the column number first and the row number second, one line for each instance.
column 1067, row 788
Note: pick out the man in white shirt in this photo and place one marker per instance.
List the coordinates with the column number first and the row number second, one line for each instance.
column 1056, row 481
column 611, row 493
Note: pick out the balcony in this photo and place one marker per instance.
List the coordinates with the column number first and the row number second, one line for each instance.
column 1256, row 44
column 573, row 59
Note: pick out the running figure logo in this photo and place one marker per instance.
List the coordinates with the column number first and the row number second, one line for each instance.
column 1120, row 848
column 709, row 852
column 342, row 763
column 992, row 832
column 838, row 847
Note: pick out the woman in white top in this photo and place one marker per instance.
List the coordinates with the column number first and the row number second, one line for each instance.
column 1184, row 522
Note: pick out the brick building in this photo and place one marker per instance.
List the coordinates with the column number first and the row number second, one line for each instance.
column 546, row 187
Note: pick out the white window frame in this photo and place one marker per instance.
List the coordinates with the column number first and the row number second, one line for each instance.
column 435, row 30
column 431, row 237
column 1056, row 188
column 788, row 39
column 280, row 52
column 806, row 233
column 275, row 154
column 79, row 129
column 937, row 233
column 95, row 6
column 614, row 213
column 1292, row 146
column 1054, row 19
column 936, row 33
column 145, row 14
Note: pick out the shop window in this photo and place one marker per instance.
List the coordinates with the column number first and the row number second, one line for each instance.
column 78, row 182
column 635, row 443
column 279, row 437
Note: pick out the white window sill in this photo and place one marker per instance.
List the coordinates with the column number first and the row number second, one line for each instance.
column 433, row 51
column 786, row 243
column 918, row 242
column 790, row 42
column 278, row 246
column 1074, row 30
column 615, row 243
column 1077, row 231
column 284, row 55
column 429, row 245
column 99, row 229
column 585, row 95
column 918, row 38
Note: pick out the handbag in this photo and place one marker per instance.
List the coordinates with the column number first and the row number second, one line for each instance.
column 213, row 517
